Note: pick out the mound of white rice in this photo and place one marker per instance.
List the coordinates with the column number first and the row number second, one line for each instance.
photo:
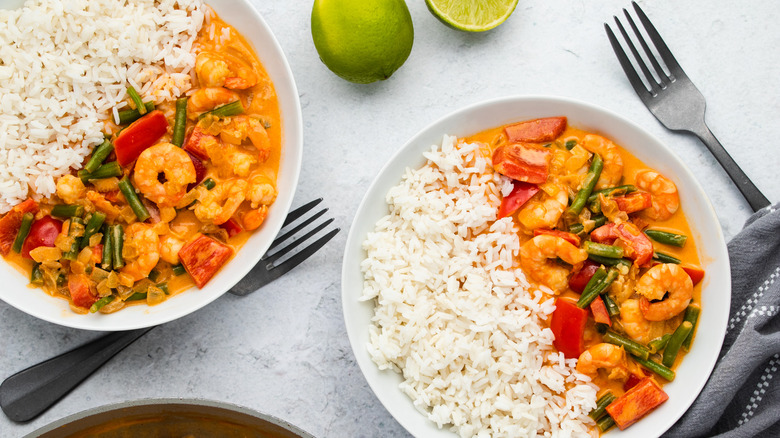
column 65, row 64
column 454, row 313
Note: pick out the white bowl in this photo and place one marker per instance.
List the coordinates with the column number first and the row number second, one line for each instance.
column 716, row 289
column 242, row 15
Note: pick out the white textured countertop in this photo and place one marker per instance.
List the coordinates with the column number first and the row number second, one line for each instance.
column 284, row 350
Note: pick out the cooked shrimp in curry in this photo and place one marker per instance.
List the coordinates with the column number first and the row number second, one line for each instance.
column 603, row 235
column 169, row 196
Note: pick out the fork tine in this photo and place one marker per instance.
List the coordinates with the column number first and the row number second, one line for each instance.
column 656, row 66
column 278, row 254
column 660, row 45
column 300, row 211
column 628, row 68
column 295, row 260
column 655, row 86
column 290, row 233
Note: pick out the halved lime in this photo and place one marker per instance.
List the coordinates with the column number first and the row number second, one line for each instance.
column 472, row 15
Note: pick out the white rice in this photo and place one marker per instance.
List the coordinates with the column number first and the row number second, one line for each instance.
column 455, row 315
column 64, row 66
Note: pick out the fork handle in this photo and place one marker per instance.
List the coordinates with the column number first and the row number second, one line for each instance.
column 28, row 393
column 754, row 197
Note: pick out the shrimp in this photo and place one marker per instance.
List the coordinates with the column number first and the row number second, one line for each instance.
column 218, row 204
column 665, row 199
column 604, row 356
column 239, row 128
column 229, row 159
column 252, row 219
column 174, row 163
column 70, row 189
column 206, row 99
column 141, row 249
column 260, row 191
column 224, row 70
column 668, row 283
column 543, row 211
column 535, row 255
column 636, row 326
column 169, row 249
column 612, row 172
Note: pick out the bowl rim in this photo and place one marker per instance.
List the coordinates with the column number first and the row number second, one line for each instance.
column 353, row 245
column 246, row 13
column 151, row 402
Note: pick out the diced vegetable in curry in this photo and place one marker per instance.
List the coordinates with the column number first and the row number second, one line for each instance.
column 604, row 234
column 167, row 198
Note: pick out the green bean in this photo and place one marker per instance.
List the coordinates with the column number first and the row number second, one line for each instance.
column 154, row 274
column 593, row 283
column 36, row 275
column 576, row 228
column 659, row 344
column 24, row 230
column 93, row 225
column 67, row 211
column 164, row 287
column 602, row 250
column 633, row 347
column 61, row 280
column 136, row 98
column 98, row 156
column 138, row 296
column 601, row 406
column 107, row 170
column 131, row 115
column 106, row 262
column 570, row 144
column 180, row 122
column 595, row 206
column 227, row 110
column 100, row 303
column 665, row 258
column 667, row 238
column 132, row 199
column 692, row 316
column 675, row 342
column 73, row 253
column 178, row 270
column 599, row 221
column 596, row 165
column 605, row 423
column 607, row 261
column 588, row 295
column 209, row 183
column 117, row 242
column 612, row 191
column 612, row 308
column 656, row 367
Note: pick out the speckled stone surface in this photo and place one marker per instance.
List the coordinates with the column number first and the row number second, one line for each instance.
column 284, row 350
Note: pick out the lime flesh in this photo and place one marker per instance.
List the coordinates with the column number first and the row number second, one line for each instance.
column 472, row 15
column 362, row 41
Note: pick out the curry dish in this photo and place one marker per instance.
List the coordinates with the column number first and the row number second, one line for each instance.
column 605, row 235
column 170, row 195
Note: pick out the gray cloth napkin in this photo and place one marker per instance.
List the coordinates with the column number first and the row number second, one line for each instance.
column 742, row 396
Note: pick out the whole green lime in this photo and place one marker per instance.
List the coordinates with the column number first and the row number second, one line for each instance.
column 362, row 41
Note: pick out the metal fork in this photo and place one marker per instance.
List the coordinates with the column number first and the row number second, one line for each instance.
column 30, row 392
column 673, row 99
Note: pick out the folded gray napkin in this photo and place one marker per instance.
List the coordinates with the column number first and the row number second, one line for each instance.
column 742, row 396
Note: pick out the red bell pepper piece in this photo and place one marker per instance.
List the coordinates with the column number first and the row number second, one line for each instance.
column 202, row 257
column 696, row 273
column 520, row 194
column 43, row 232
column 12, row 221
column 536, row 131
column 141, row 134
column 196, row 143
column 522, row 163
column 637, row 245
column 632, row 381
column 569, row 237
column 80, row 294
column 232, row 227
column 568, row 325
column 599, row 310
column 580, row 279
column 634, row 202
column 636, row 403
